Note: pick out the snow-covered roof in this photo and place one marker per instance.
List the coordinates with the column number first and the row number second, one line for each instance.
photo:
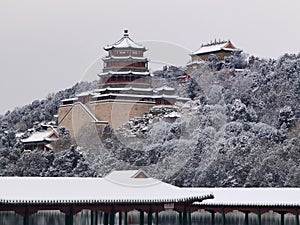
column 123, row 95
column 146, row 89
column 138, row 96
column 127, row 187
column 125, row 57
column 54, row 190
column 183, row 99
column 166, row 88
column 125, row 42
column 145, row 73
column 214, row 47
column 253, row 196
column 82, row 94
column 173, row 115
column 70, row 99
column 39, row 136
column 19, row 134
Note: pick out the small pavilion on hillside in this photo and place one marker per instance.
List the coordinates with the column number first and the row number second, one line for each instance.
column 219, row 48
column 40, row 140
column 122, row 192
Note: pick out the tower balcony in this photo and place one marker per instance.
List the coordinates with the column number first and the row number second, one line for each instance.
column 120, row 68
column 122, row 80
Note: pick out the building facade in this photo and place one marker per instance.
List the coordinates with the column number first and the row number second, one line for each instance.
column 124, row 92
column 217, row 47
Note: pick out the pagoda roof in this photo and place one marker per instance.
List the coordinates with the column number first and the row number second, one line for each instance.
column 214, row 47
column 125, row 42
column 148, row 89
column 120, row 72
column 140, row 96
column 124, row 57
column 114, row 188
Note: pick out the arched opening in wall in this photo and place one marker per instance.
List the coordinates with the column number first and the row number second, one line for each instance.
column 289, row 219
column 133, row 217
column 10, row 217
column 201, row 217
column 252, row 217
column 235, row 217
column 169, row 217
column 271, row 218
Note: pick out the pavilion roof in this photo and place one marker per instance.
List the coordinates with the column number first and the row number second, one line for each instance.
column 252, row 196
column 214, row 47
column 124, row 57
column 120, row 72
column 40, row 136
column 127, row 88
column 108, row 190
column 125, row 42
column 140, row 96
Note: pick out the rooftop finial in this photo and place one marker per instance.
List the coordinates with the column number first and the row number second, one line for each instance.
column 126, row 33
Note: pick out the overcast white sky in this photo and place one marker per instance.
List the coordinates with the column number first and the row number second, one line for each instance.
column 47, row 45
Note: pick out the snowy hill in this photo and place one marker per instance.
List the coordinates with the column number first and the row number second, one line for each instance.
column 241, row 128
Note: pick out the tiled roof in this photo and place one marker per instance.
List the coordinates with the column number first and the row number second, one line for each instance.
column 145, row 73
column 125, row 57
column 253, row 196
column 124, row 42
column 39, row 136
column 65, row 190
column 213, row 47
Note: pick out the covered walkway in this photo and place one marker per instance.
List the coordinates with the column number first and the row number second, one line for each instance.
column 114, row 199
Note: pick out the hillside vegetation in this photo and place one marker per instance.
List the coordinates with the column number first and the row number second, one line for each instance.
column 241, row 128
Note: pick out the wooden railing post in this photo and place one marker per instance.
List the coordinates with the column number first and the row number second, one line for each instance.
column 150, row 216
column 125, row 217
column 246, row 218
column 92, row 217
column 296, row 216
column 141, row 217
column 156, row 218
column 223, row 216
column 184, row 216
column 120, row 217
column 282, row 218
column 105, row 219
column 212, row 217
column 26, row 216
column 112, row 216
column 71, row 215
column 259, row 216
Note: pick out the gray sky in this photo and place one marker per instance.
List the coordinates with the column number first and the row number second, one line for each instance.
column 46, row 46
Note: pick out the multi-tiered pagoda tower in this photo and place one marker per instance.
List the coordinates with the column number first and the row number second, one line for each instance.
column 124, row 92
column 125, row 64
